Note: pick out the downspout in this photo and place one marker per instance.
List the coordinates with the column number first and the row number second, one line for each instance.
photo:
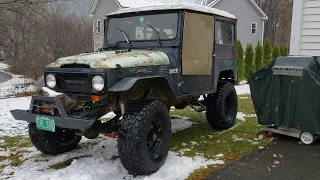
column 263, row 26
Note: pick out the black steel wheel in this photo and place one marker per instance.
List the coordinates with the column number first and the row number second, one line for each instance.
column 222, row 107
column 154, row 137
column 144, row 137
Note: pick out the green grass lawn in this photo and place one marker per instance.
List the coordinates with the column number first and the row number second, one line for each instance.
column 200, row 139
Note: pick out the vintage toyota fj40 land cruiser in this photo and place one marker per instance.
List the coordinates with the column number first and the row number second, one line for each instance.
column 153, row 58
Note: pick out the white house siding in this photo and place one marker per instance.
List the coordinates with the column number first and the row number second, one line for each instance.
column 104, row 7
column 246, row 13
column 305, row 35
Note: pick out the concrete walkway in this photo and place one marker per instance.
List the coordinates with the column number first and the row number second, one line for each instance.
column 285, row 159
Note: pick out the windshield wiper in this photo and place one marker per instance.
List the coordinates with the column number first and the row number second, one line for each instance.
column 157, row 34
column 126, row 36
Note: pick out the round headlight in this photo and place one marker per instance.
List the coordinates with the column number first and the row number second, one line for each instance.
column 98, row 83
column 51, row 81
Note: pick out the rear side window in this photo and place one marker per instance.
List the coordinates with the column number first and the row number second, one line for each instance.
column 224, row 32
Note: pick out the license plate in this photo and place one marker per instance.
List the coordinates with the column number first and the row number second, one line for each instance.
column 45, row 123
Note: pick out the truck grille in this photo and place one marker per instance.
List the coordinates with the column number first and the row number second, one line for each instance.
column 74, row 83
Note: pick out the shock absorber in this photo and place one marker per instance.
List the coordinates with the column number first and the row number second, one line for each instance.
column 122, row 103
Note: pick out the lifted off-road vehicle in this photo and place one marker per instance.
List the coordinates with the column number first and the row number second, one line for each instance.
column 153, row 58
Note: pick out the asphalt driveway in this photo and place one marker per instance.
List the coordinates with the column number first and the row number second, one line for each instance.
column 285, row 159
column 4, row 77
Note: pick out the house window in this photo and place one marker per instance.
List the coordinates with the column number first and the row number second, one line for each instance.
column 225, row 33
column 98, row 28
column 253, row 28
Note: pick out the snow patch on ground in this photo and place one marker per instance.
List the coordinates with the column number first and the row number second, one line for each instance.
column 5, row 162
column 179, row 123
column 17, row 84
column 241, row 116
column 5, row 153
column 182, row 151
column 194, row 143
column 8, row 125
column 236, row 138
column 243, row 89
column 220, row 155
column 2, row 142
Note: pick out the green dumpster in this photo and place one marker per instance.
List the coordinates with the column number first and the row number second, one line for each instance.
column 286, row 94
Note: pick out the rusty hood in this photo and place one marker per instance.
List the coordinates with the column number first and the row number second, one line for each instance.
column 110, row 59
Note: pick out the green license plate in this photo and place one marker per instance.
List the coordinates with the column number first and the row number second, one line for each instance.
column 45, row 123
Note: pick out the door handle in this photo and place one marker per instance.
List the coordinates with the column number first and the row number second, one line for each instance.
column 214, row 55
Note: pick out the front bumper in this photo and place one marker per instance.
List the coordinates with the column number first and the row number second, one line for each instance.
column 63, row 121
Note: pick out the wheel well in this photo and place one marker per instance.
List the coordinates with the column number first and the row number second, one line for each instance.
column 153, row 88
column 227, row 75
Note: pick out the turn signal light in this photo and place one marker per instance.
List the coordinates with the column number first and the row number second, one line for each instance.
column 95, row 98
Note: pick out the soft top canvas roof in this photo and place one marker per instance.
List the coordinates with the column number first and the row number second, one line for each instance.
column 192, row 7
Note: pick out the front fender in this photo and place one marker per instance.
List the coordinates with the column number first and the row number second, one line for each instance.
column 128, row 82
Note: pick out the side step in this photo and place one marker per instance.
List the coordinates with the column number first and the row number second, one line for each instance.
column 198, row 103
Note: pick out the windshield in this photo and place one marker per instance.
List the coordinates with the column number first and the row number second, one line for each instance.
column 141, row 28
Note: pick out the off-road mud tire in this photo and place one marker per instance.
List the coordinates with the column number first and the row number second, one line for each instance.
column 222, row 107
column 134, row 140
column 53, row 143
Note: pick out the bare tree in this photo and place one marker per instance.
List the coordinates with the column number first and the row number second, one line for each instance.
column 36, row 35
column 278, row 26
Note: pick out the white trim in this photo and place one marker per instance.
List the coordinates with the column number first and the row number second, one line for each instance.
column 118, row 3
column 264, row 16
column 93, row 8
column 255, row 28
column 259, row 9
column 263, row 26
column 296, row 27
